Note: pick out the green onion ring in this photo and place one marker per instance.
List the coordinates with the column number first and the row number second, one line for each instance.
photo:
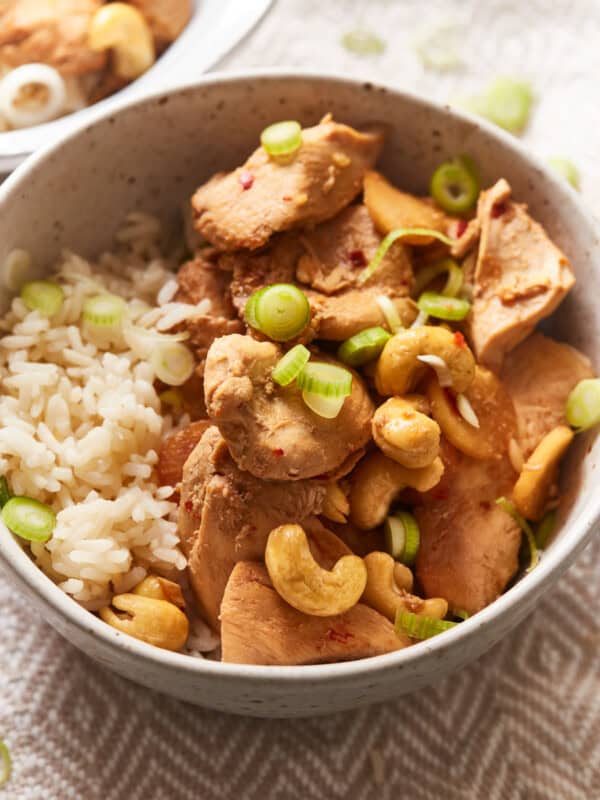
column 420, row 627
column 45, row 297
column 454, row 187
column 545, row 529
column 326, row 407
column 29, row 519
column 389, row 240
column 325, row 380
column 290, row 365
column 582, row 408
column 402, row 537
column 280, row 311
column 509, row 507
column 453, row 283
column 363, row 347
column 282, row 138
column 442, row 307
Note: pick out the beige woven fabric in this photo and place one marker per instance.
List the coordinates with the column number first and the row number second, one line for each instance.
column 521, row 724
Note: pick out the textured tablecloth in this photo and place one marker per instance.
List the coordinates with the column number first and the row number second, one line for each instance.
column 523, row 723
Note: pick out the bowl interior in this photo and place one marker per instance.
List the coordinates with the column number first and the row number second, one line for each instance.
column 150, row 156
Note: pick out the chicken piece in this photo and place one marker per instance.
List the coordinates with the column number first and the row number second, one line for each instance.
column 53, row 32
column 269, row 429
column 167, row 18
column 539, row 375
column 337, row 252
column 520, row 276
column 244, row 208
column 226, row 515
column 200, row 279
column 175, row 450
column 340, row 316
column 259, row 627
column 469, row 545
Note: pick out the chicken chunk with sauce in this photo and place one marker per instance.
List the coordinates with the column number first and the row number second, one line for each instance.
column 167, row 18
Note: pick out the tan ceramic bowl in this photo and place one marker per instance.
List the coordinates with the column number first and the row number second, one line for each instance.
column 150, row 155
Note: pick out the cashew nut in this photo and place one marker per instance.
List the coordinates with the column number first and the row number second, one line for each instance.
column 408, row 436
column 493, row 407
column 124, row 30
column 532, row 489
column 399, row 369
column 305, row 585
column 335, row 506
column 384, row 593
column 160, row 589
column 378, row 480
column 154, row 621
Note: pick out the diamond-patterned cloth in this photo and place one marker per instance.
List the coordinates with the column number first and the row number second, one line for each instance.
column 523, row 723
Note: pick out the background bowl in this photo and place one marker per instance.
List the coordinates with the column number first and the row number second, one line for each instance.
column 150, row 155
column 215, row 27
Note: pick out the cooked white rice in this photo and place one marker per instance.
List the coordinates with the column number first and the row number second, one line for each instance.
column 81, row 423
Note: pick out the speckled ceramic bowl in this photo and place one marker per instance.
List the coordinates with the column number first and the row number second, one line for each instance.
column 150, row 155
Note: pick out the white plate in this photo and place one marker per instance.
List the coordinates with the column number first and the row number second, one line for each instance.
column 216, row 26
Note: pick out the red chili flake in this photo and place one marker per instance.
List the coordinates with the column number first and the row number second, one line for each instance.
column 498, row 210
column 440, row 494
column 459, row 339
column 451, row 400
column 338, row 636
column 287, row 198
column 189, row 506
column 278, row 451
column 485, row 505
column 461, row 227
column 246, row 179
column 357, row 258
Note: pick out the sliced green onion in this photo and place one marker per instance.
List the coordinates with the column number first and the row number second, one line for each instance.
column 289, row 367
column 280, row 311
column 43, row 296
column 172, row 398
column 104, row 310
column 454, row 186
column 172, row 362
column 5, row 494
column 582, row 409
column 441, row 307
column 363, row 347
column 508, row 104
column 363, row 43
column 454, row 281
column 325, row 380
column 567, row 169
column 545, row 529
column 327, row 407
column 29, row 519
column 282, row 138
column 389, row 240
column 438, row 48
column 390, row 312
column 510, row 508
column 5, row 764
column 402, row 537
column 419, row 627
column 460, row 613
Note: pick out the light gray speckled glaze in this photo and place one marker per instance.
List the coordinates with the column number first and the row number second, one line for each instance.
column 150, row 156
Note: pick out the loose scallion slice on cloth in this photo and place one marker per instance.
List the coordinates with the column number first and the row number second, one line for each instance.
column 506, row 102
column 453, row 283
column 442, row 307
column 455, row 186
column 582, row 409
column 438, row 48
column 326, row 407
column 290, row 365
column 280, row 311
column 509, row 507
column 363, row 43
column 399, row 233
column 5, row 764
column 43, row 296
column 566, row 169
column 402, row 537
column 419, row 627
column 545, row 529
column 390, row 313
column 5, row 494
column 282, row 138
column 172, row 362
column 29, row 519
column 325, row 380
column 363, row 347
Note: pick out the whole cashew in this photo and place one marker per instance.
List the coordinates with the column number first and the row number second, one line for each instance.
column 160, row 589
column 378, row 480
column 305, row 585
column 532, row 489
column 384, row 594
column 154, row 621
column 335, row 506
column 405, row 434
column 123, row 29
column 399, row 369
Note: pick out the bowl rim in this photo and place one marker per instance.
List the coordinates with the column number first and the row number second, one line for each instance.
column 553, row 563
